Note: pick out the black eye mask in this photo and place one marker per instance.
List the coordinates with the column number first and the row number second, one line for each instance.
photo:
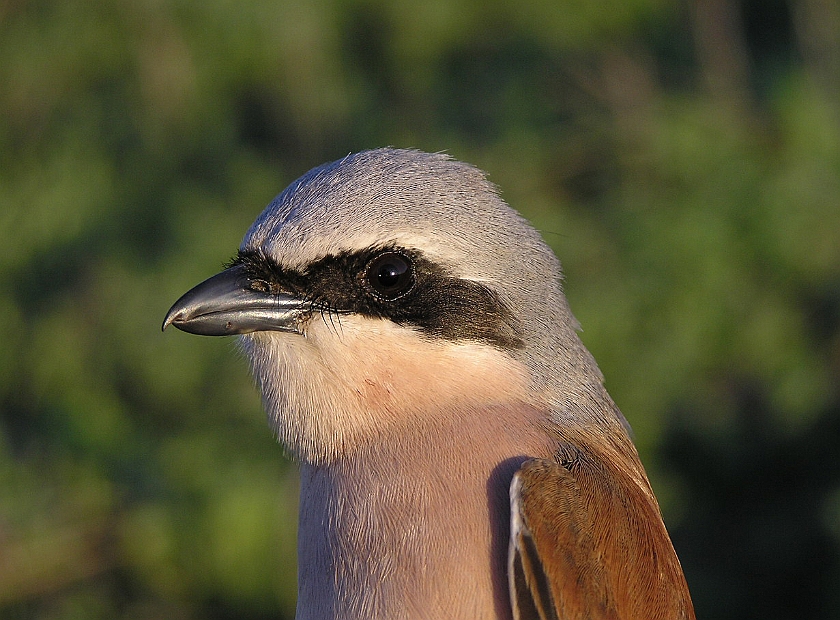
column 393, row 283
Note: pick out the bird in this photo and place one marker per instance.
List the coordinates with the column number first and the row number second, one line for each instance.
column 459, row 454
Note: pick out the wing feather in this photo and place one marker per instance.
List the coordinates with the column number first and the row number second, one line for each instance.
column 588, row 542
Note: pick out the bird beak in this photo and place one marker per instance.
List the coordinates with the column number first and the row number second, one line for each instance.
column 228, row 304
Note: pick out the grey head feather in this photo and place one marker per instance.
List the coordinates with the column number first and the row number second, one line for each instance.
column 450, row 212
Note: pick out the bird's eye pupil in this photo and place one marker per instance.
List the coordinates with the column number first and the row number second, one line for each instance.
column 390, row 275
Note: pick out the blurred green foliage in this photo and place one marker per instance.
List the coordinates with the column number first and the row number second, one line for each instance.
column 683, row 158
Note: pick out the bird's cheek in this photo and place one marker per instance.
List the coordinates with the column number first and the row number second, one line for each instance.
column 368, row 375
column 374, row 394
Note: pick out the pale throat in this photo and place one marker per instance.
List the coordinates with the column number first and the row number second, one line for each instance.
column 351, row 379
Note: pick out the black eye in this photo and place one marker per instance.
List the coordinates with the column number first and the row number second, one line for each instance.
column 390, row 275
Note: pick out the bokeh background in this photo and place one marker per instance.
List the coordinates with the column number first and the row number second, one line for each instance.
column 682, row 157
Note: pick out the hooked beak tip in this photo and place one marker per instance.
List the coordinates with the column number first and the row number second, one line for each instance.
column 167, row 321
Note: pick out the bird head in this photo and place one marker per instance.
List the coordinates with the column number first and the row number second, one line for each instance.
column 394, row 287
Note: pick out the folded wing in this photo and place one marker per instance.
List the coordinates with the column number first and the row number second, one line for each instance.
column 588, row 541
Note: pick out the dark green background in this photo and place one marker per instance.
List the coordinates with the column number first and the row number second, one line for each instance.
column 683, row 159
